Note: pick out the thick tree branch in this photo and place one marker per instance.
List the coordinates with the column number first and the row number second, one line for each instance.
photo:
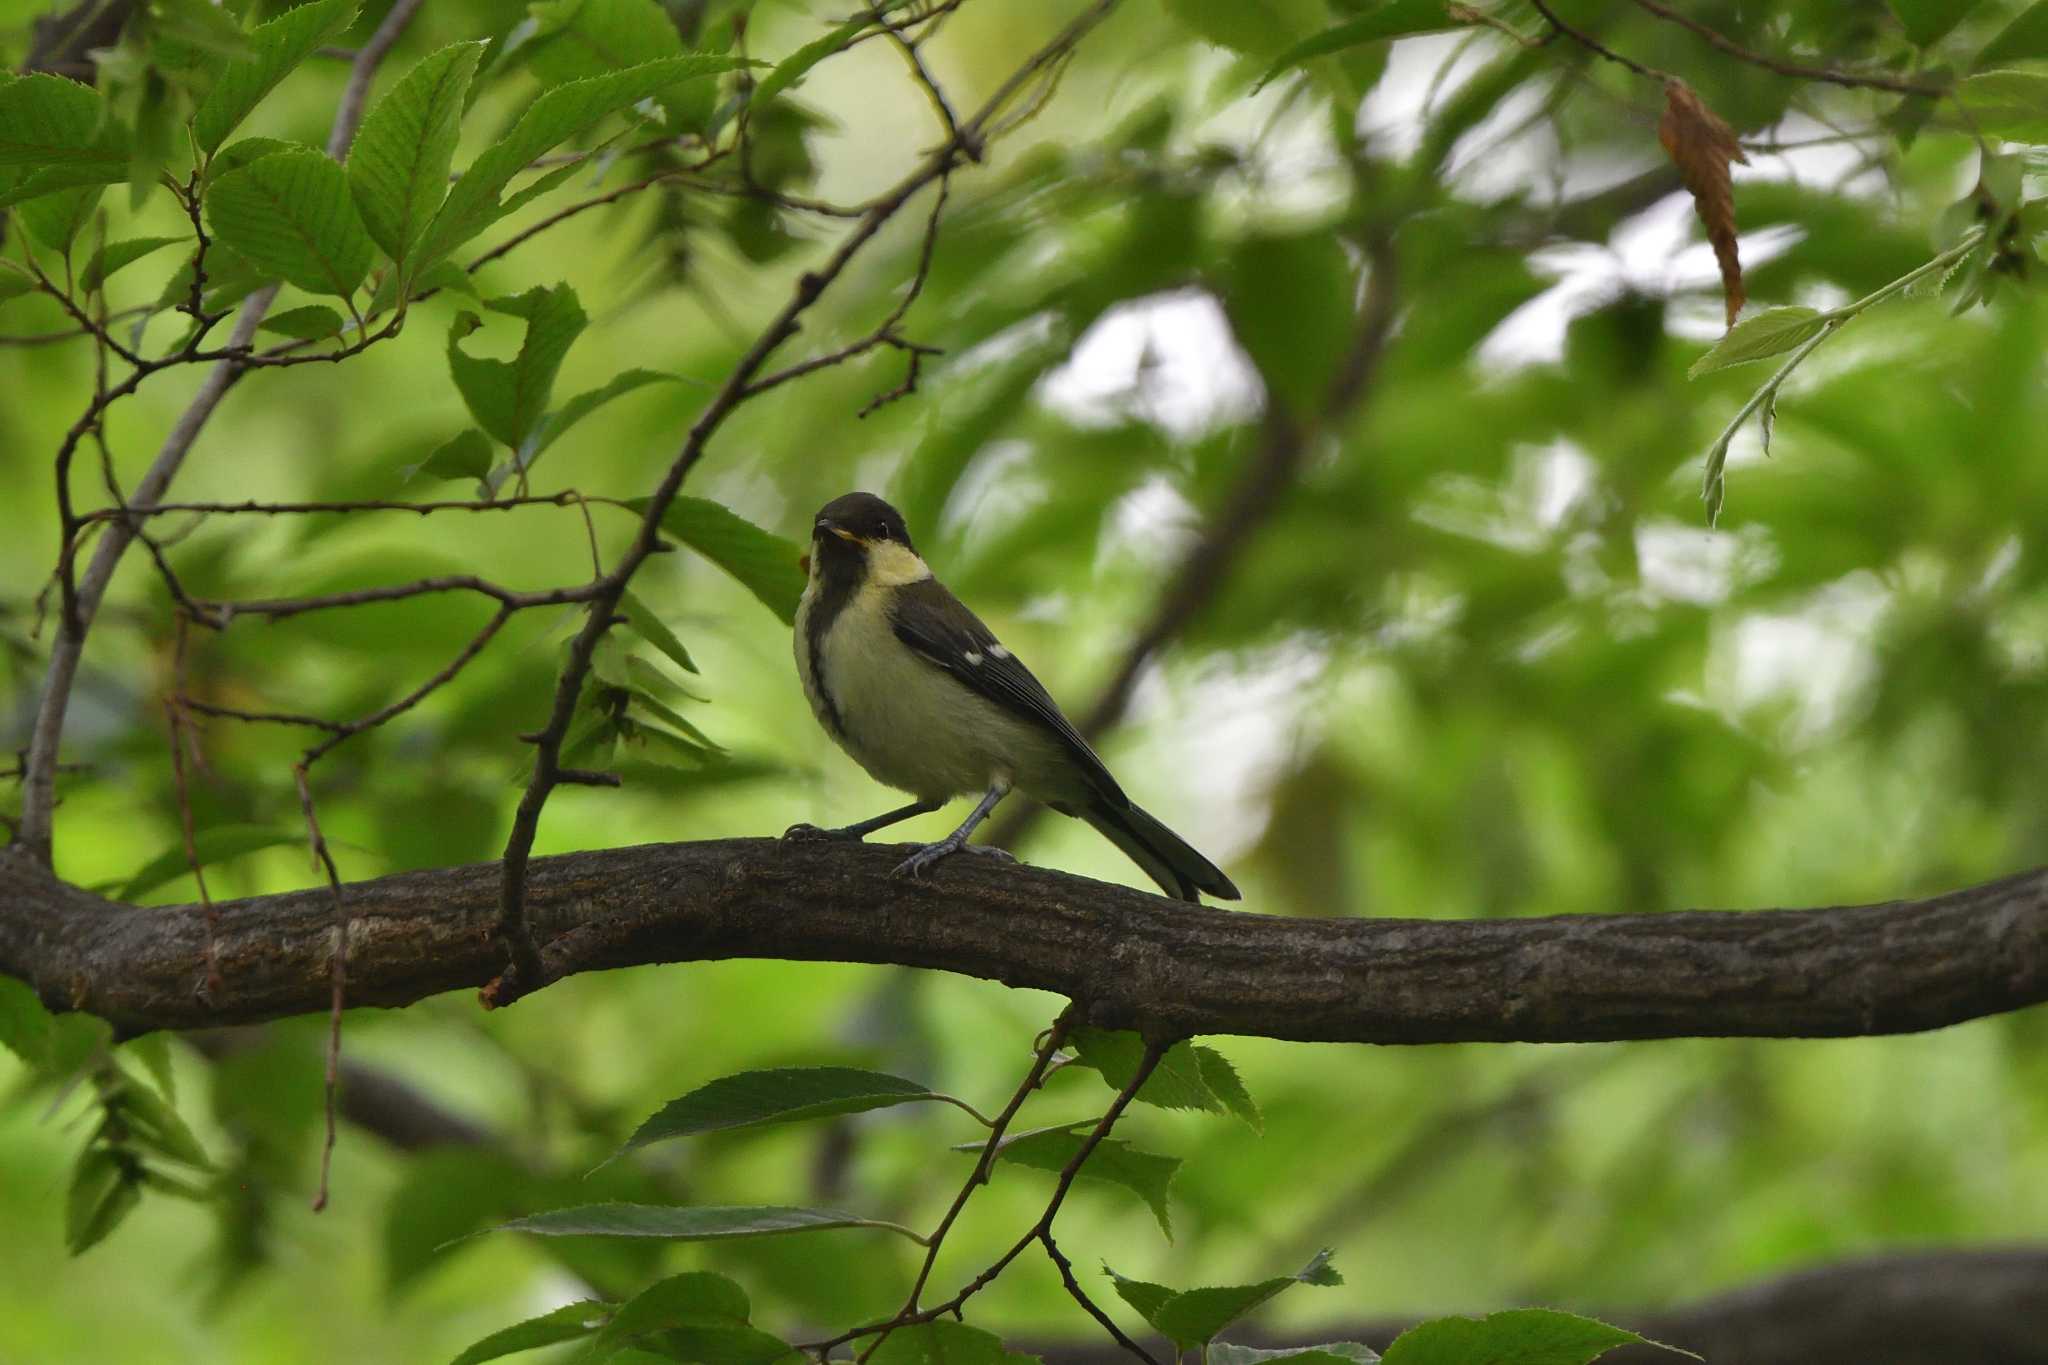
column 1130, row 959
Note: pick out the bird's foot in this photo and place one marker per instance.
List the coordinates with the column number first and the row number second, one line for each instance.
column 916, row 863
column 808, row 834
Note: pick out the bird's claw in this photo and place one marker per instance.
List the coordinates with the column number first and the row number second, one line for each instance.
column 925, row 857
column 809, row 834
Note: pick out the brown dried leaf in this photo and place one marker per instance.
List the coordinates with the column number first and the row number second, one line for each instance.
column 1702, row 146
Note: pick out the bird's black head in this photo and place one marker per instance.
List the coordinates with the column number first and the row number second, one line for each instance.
column 847, row 526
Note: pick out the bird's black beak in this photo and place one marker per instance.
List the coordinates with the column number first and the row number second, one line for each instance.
column 836, row 529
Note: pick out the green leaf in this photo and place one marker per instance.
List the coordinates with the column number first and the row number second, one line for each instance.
column 1392, row 19
column 291, row 214
column 1290, row 303
column 567, row 1323
column 1928, row 21
column 48, row 121
column 153, row 1050
column 240, row 153
column 2025, row 39
column 654, row 631
column 314, row 322
column 946, row 1343
column 119, row 255
column 798, row 64
column 1525, row 1336
column 690, row 1223
column 472, row 203
column 1223, row 1082
column 398, row 164
column 274, row 49
column 1176, row 1083
column 1113, row 1162
column 1759, row 337
column 56, row 219
column 698, row 1299
column 1194, row 1316
column 213, row 845
column 466, row 455
column 755, row 1099
column 25, row 1026
column 1330, row 1353
column 583, row 404
column 764, row 563
column 101, row 1195
column 2007, row 104
column 578, row 38
column 1256, row 27
column 154, row 1123
column 507, row 398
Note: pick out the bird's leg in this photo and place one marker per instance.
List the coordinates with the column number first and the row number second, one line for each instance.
column 861, row 829
column 916, row 863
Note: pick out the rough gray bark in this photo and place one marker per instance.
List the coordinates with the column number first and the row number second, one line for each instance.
column 1133, row 959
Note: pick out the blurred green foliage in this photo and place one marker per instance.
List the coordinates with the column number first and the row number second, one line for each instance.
column 1485, row 656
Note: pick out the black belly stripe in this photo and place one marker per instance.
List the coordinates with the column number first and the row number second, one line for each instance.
column 834, row 592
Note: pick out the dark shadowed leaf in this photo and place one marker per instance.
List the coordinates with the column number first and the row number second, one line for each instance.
column 1928, row 21
column 213, row 845
column 1390, row 19
column 655, row 631
column 313, row 322
column 946, row 1343
column 1193, row 1316
column 1330, row 1353
column 583, row 404
column 1176, row 1083
column 101, row 1195
column 25, row 1026
column 466, row 455
column 567, row 1323
column 753, row 1099
column 116, row 256
column 690, row 1223
column 1113, row 1162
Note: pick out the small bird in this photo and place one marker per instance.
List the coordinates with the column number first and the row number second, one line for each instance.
column 923, row 696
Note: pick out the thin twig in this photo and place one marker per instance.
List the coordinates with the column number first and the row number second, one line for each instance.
column 1594, row 45
column 1795, row 70
column 82, row 602
column 337, row 974
column 1039, row 1230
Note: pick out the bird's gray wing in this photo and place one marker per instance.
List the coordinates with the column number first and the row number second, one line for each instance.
column 938, row 626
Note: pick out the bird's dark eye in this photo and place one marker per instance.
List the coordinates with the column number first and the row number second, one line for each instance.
column 881, row 530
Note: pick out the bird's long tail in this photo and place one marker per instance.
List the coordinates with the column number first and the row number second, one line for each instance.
column 1166, row 857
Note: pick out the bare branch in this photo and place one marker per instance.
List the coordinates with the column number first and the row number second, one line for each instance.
column 1129, row 958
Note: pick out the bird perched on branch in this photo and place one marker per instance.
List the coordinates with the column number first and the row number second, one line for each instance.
column 923, row 696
